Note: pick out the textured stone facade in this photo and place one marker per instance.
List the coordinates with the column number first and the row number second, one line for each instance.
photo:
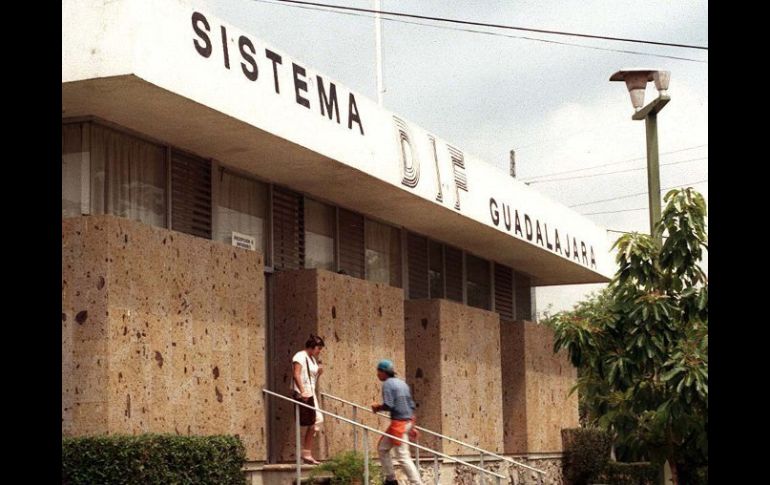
column 453, row 365
column 453, row 473
column 165, row 332
column 536, row 383
column 161, row 332
column 516, row 475
column 361, row 323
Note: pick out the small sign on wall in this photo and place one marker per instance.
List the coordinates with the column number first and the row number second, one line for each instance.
column 244, row 241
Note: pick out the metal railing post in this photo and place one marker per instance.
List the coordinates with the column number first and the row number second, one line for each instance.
column 435, row 470
column 481, row 464
column 368, row 429
column 298, row 450
column 540, row 473
column 355, row 431
column 366, row 457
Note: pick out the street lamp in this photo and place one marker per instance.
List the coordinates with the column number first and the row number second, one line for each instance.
column 636, row 81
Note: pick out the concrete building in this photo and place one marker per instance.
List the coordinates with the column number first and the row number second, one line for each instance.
column 221, row 200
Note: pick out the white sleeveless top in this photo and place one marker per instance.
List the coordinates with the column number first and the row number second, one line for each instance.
column 308, row 381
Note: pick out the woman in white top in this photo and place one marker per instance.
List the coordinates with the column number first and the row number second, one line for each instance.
column 306, row 371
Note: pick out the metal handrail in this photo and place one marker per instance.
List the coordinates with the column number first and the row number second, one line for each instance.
column 366, row 448
column 449, row 438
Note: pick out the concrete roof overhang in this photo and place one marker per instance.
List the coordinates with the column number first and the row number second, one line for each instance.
column 139, row 105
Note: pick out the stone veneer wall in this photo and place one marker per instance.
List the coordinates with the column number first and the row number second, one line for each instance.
column 536, row 383
column 517, row 475
column 361, row 322
column 423, row 366
column 161, row 332
column 453, row 358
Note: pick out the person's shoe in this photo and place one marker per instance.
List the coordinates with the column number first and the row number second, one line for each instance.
column 307, row 457
column 390, row 482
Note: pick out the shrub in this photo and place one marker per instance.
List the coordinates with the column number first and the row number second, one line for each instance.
column 348, row 468
column 643, row 473
column 702, row 475
column 153, row 458
column 586, row 452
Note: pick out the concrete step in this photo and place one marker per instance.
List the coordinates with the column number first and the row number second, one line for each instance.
column 282, row 473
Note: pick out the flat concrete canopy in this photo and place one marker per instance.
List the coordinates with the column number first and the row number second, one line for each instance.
column 155, row 112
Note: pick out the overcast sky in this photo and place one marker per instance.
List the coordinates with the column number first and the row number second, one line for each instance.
column 552, row 103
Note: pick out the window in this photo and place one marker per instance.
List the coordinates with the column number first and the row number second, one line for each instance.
column 523, row 297
column 504, row 291
column 383, row 253
column 478, row 282
column 129, row 176
column 288, row 230
column 417, row 260
column 190, row 195
column 75, row 170
column 436, row 269
column 453, row 259
column 319, row 235
column 352, row 252
column 241, row 208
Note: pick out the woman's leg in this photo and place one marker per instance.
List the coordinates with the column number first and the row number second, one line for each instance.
column 307, row 449
column 309, row 434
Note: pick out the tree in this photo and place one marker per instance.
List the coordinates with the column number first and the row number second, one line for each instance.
column 641, row 345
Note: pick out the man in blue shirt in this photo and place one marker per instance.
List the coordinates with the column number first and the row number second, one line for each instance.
column 397, row 399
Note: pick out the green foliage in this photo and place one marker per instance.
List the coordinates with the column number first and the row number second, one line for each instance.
column 586, row 453
column 630, row 474
column 701, row 476
column 641, row 345
column 348, row 467
column 153, row 458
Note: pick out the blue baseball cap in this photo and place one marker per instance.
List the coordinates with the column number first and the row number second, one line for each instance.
column 386, row 365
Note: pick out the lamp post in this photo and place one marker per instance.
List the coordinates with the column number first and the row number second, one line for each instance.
column 636, row 81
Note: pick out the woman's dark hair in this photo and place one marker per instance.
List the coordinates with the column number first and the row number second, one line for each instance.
column 314, row 341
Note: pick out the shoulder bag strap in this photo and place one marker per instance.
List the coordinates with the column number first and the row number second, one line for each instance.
column 307, row 368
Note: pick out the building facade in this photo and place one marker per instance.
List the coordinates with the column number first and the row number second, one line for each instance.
column 222, row 200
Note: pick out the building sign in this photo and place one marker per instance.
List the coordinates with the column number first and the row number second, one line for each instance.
column 532, row 222
column 244, row 241
column 252, row 62
column 534, row 231
column 186, row 51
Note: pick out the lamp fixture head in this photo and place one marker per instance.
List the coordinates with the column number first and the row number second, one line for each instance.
column 636, row 81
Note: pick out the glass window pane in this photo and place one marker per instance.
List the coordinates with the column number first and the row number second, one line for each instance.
column 74, row 170
column 417, row 262
column 395, row 257
column 241, row 208
column 436, row 269
column 478, row 282
column 377, row 252
column 453, row 266
column 383, row 253
column 319, row 235
column 191, row 209
column 134, row 173
column 523, row 295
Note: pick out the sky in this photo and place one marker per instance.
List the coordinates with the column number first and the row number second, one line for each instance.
column 488, row 93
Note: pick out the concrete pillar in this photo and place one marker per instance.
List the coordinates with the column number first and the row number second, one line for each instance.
column 453, row 366
column 535, row 386
column 361, row 322
column 161, row 332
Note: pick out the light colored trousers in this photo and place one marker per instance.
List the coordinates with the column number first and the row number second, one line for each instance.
column 402, row 455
